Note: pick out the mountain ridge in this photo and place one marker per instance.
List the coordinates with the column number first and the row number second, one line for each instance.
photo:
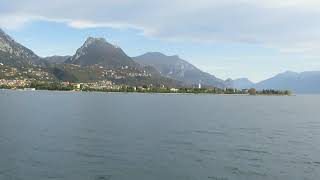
column 56, row 59
column 303, row 82
column 14, row 53
column 176, row 68
column 297, row 82
column 96, row 56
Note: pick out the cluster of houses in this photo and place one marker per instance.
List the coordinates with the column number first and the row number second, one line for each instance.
column 105, row 84
column 120, row 73
column 109, row 85
column 8, row 71
column 14, row 83
column 36, row 73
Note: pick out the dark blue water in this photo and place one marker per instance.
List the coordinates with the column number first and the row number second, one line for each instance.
column 98, row 136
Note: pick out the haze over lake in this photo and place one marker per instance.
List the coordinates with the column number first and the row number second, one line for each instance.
column 116, row 136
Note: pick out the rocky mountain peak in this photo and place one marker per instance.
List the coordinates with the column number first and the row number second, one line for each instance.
column 93, row 40
column 90, row 41
column 10, row 46
column 97, row 51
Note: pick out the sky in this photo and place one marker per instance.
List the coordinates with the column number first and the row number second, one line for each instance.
column 229, row 38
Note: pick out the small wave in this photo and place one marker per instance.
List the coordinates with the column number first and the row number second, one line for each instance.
column 217, row 178
column 254, row 165
column 181, row 132
column 89, row 155
column 207, row 151
column 209, row 132
column 103, row 177
column 255, row 160
column 250, row 129
column 56, row 177
column 237, row 171
column 311, row 122
column 296, row 142
column 279, row 132
column 82, row 138
column 253, row 151
column 177, row 142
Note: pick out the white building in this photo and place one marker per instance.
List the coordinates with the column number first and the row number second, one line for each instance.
column 174, row 90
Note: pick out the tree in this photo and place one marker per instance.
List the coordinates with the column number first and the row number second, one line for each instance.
column 287, row 92
column 252, row 91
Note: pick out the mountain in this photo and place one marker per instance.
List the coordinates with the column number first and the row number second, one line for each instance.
column 99, row 60
column 13, row 53
column 241, row 83
column 304, row 82
column 97, row 51
column 179, row 69
column 56, row 59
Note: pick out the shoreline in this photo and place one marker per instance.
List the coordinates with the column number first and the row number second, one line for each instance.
column 157, row 93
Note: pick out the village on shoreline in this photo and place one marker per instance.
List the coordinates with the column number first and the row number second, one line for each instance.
column 109, row 86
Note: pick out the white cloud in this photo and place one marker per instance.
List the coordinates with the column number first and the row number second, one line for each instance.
column 13, row 21
column 289, row 25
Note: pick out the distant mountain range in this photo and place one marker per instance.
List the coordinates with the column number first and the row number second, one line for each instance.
column 176, row 68
column 304, row 82
column 97, row 59
column 242, row 83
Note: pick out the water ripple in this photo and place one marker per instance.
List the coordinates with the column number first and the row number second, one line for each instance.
column 253, row 151
column 209, row 132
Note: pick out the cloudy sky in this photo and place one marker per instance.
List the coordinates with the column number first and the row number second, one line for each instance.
column 229, row 38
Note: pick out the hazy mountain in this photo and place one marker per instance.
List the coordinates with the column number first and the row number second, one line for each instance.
column 97, row 51
column 241, row 83
column 13, row 53
column 56, row 59
column 176, row 68
column 305, row 82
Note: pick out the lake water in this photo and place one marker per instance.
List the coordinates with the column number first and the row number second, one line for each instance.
column 114, row 136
